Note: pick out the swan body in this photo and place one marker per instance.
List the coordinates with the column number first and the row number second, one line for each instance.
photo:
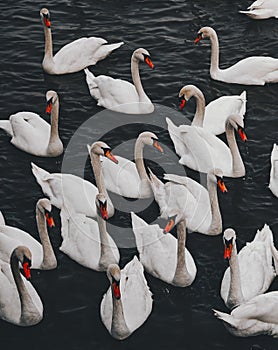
column 127, row 178
column 119, row 95
column 255, row 70
column 202, row 151
column 262, row 9
column 162, row 255
column 128, row 302
column 34, row 135
column 42, row 253
column 20, row 303
column 74, row 56
column 273, row 181
column 251, row 271
column 256, row 316
column 213, row 117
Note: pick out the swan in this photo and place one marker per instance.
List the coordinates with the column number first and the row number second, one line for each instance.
column 74, row 56
column 127, row 178
column 262, row 9
column 67, row 188
column 42, row 253
column 162, row 255
column 273, row 181
column 251, row 271
column 182, row 198
column 20, row 303
column 213, row 116
column 85, row 240
column 34, row 135
column 120, row 95
column 256, row 316
column 202, row 151
column 128, row 301
column 255, row 70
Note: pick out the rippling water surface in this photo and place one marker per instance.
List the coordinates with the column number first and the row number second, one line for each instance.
column 181, row 318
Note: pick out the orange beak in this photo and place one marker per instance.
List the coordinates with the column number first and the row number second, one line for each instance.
column 103, row 211
column 149, row 62
column 228, row 251
column 157, row 146
column 242, row 134
column 182, row 103
column 170, row 224
column 116, row 290
column 26, row 270
column 221, row 185
column 48, row 107
column 46, row 22
column 199, row 37
column 49, row 220
column 109, row 155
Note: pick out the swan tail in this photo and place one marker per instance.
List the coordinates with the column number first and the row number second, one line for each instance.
column 243, row 98
column 230, row 320
column 92, row 85
column 181, row 180
column 264, row 235
column 106, row 49
column 139, row 228
column 40, row 174
column 6, row 125
column 2, row 219
column 158, row 191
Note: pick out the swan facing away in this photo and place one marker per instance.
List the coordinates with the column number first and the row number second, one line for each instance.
column 213, row 116
column 251, row 270
column 20, row 303
column 74, row 56
column 202, row 151
column 262, row 9
column 43, row 256
column 127, row 178
column 255, row 70
column 128, row 302
column 273, row 181
column 256, row 316
column 34, row 135
column 162, row 255
column 120, row 95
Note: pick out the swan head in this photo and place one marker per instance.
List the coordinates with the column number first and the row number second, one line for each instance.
column 23, row 254
column 216, row 176
column 150, row 139
column 205, row 32
column 101, row 204
column 45, row 207
column 237, row 122
column 100, row 148
column 45, row 15
column 229, row 239
column 114, row 276
column 187, row 92
column 51, row 98
column 143, row 56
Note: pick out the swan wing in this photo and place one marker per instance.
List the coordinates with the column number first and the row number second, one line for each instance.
column 273, row 181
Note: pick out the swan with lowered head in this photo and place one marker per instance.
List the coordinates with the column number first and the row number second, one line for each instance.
column 162, row 255
column 255, row 70
column 202, row 151
column 262, row 9
column 183, row 199
column 273, row 181
column 20, row 302
column 128, row 302
column 42, row 253
column 74, row 56
column 34, row 135
column 127, row 178
column 251, row 271
column 120, row 95
column 213, row 116
column 256, row 316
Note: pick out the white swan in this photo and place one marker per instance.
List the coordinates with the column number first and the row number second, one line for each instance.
column 251, row 271
column 256, row 316
column 273, row 181
column 34, row 135
column 20, row 303
column 74, row 56
column 255, row 70
column 128, row 302
column 182, row 198
column 202, row 151
column 85, row 240
column 262, row 9
column 43, row 256
column 162, row 255
column 213, row 116
column 67, row 188
column 127, row 178
column 120, row 95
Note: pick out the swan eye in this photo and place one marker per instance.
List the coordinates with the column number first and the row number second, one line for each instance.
column 156, row 144
column 103, row 210
column 49, row 106
column 108, row 154
column 242, row 133
column 26, row 267
column 228, row 248
column 182, row 103
column 148, row 61
column 199, row 37
column 49, row 219
column 46, row 20
column 221, row 185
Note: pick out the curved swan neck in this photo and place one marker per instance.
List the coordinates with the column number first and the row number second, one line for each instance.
column 238, row 166
column 214, row 59
column 96, row 166
column 119, row 329
column 200, row 109
column 136, row 78
column 54, row 132
column 216, row 219
column 138, row 157
column 48, row 48
column 49, row 259
column 235, row 296
column 106, row 255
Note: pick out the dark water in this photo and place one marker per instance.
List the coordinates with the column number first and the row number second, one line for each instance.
column 181, row 318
